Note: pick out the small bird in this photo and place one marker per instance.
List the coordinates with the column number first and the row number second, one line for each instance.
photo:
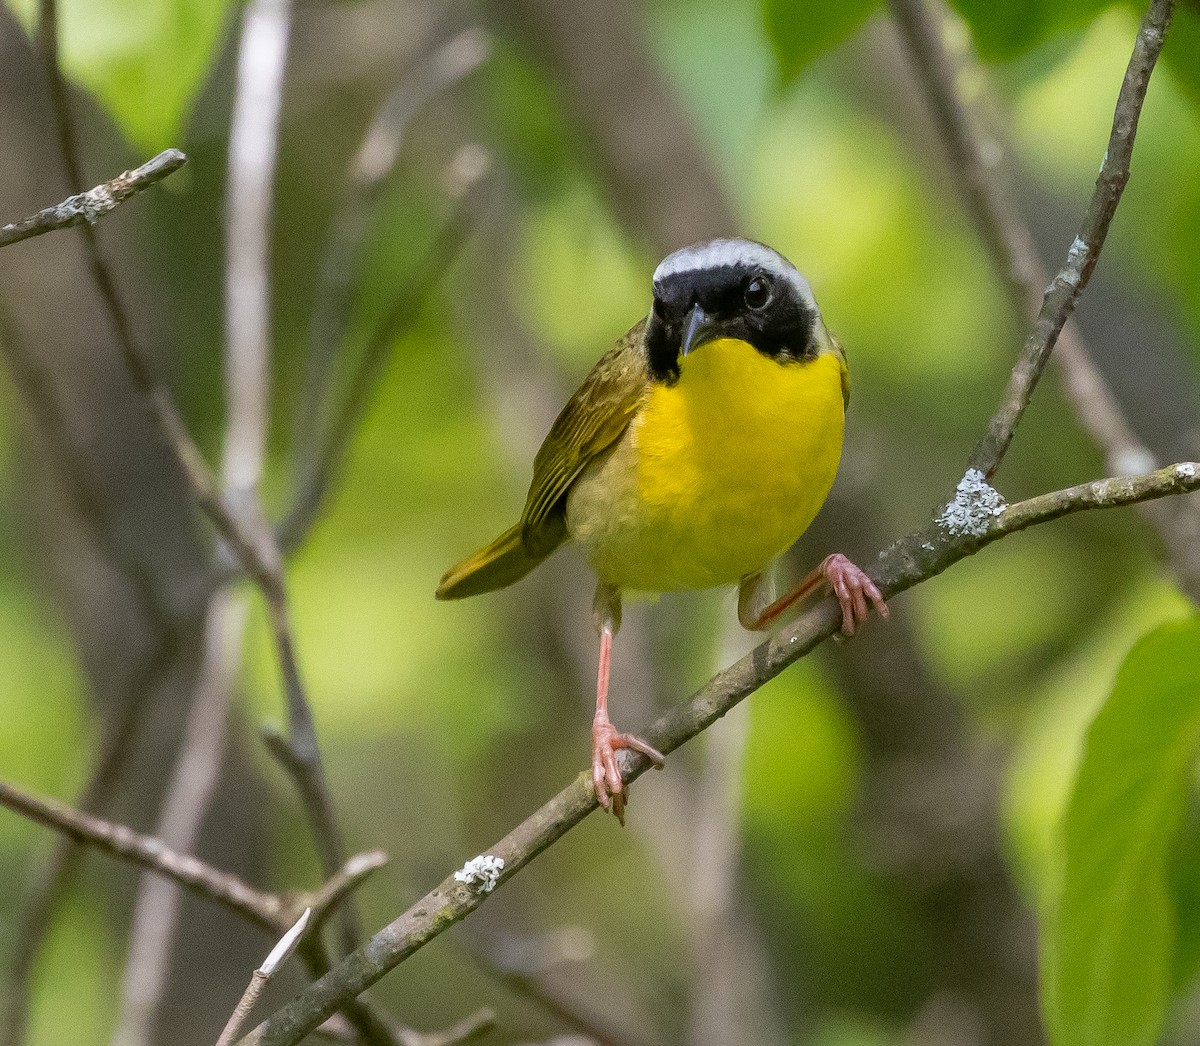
column 698, row 449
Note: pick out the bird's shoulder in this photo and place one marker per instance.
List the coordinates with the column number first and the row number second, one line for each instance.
column 593, row 419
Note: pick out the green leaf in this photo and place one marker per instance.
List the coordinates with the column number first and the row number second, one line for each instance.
column 1111, row 940
column 800, row 30
column 1004, row 29
column 143, row 59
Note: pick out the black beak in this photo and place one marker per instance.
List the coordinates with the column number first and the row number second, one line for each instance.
column 698, row 328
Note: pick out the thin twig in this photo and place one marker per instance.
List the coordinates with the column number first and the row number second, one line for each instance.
column 298, row 750
column 258, row 980
column 148, row 852
column 469, row 1028
column 1069, row 283
column 375, row 159
column 249, row 192
column 191, row 786
column 321, row 470
column 274, row 912
column 251, row 545
column 48, row 882
column 89, row 207
column 910, row 561
column 1014, row 254
column 344, row 881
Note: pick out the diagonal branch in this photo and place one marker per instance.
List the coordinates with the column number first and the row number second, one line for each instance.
column 1066, row 287
column 909, row 562
column 259, row 979
column 250, row 544
column 239, row 520
column 1007, row 236
column 88, row 207
column 1010, row 242
column 366, row 176
column 148, row 852
column 274, row 912
column 318, row 471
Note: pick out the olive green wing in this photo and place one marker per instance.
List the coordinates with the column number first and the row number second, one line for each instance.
column 591, row 422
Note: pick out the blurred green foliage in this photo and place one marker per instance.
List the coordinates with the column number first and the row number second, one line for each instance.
column 1110, row 942
column 144, row 60
column 801, row 32
column 445, row 724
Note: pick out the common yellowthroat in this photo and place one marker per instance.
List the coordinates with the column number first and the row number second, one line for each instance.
column 698, row 449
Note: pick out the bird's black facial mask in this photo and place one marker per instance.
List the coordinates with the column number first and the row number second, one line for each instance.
column 738, row 300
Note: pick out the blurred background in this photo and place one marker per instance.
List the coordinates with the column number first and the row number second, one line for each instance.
column 856, row 856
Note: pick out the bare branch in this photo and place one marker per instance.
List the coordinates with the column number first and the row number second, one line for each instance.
column 472, row 1027
column 448, row 65
column 48, row 882
column 345, row 880
column 320, row 471
column 150, row 853
column 258, row 980
column 1010, row 242
column 1069, row 283
column 274, row 912
column 253, row 145
column 192, row 784
column 88, row 207
column 910, row 561
column 251, row 546
column 298, row 749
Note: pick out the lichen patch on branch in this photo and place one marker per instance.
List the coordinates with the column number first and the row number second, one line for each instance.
column 1077, row 256
column 481, row 873
column 975, row 503
column 89, row 205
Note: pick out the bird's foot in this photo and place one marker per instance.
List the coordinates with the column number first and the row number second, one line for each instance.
column 852, row 589
column 606, row 774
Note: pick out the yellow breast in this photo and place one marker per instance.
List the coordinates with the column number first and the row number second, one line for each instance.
column 716, row 475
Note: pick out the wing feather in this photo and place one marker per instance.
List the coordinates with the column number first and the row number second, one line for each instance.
column 591, row 422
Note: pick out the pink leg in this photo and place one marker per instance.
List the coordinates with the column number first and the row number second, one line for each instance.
column 836, row 574
column 607, row 741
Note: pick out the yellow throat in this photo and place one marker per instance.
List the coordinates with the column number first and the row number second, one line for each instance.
column 717, row 474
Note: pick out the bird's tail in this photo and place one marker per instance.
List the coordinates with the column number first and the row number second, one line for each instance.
column 503, row 562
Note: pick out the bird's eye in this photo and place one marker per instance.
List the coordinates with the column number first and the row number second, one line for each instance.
column 758, row 292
